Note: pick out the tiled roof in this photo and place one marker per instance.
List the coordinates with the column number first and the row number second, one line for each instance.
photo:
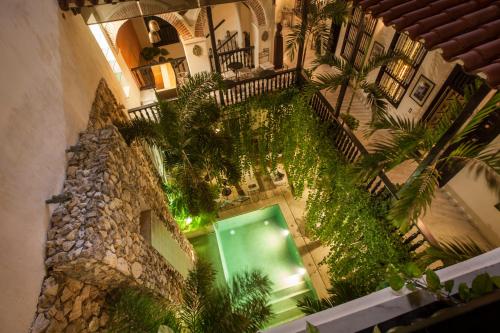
column 467, row 31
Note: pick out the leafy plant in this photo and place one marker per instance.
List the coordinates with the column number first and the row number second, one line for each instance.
column 342, row 291
column 138, row 311
column 199, row 154
column 411, row 140
column 350, row 121
column 240, row 307
column 316, row 28
column 310, row 328
column 451, row 252
column 341, row 214
column 411, row 278
column 150, row 53
column 345, row 73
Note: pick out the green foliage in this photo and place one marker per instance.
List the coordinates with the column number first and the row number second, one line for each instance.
column 317, row 29
column 341, row 291
column 451, row 252
column 149, row 53
column 350, row 121
column 138, row 311
column 198, row 153
column 310, row 328
column 340, row 212
column 432, row 279
column 346, row 73
column 411, row 140
column 408, row 276
column 240, row 307
column 206, row 307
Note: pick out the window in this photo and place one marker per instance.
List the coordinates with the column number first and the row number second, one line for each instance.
column 351, row 33
column 395, row 78
column 110, row 56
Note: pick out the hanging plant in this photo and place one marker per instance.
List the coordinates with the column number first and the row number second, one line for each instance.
column 150, row 53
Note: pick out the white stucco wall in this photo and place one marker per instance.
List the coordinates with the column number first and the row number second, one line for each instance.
column 197, row 63
column 229, row 13
column 433, row 67
column 50, row 69
column 478, row 200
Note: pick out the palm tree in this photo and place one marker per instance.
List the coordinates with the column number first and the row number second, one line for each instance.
column 240, row 307
column 347, row 72
column 317, row 28
column 411, row 140
column 196, row 147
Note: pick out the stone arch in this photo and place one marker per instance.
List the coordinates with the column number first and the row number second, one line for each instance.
column 258, row 10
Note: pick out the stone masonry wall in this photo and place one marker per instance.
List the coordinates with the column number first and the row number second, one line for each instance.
column 94, row 243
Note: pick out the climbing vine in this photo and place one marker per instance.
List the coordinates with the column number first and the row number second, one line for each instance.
column 282, row 128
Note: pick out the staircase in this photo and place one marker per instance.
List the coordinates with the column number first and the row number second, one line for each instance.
column 284, row 303
column 229, row 51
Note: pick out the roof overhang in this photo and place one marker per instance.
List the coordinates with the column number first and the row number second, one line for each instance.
column 463, row 31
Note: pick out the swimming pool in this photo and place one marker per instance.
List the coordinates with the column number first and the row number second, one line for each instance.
column 260, row 240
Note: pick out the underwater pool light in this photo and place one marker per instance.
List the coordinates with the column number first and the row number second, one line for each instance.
column 285, row 232
column 232, row 232
column 188, row 220
column 266, row 222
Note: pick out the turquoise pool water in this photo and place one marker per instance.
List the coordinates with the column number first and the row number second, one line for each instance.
column 259, row 240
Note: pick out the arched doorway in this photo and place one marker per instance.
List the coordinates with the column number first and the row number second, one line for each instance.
column 152, row 49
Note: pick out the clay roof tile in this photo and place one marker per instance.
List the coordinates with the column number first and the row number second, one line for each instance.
column 467, row 31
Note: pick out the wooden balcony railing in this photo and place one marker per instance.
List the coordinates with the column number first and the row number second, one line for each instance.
column 230, row 44
column 349, row 146
column 247, row 88
column 345, row 141
column 147, row 112
column 144, row 76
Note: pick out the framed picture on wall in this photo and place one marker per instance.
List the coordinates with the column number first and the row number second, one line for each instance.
column 377, row 49
column 422, row 90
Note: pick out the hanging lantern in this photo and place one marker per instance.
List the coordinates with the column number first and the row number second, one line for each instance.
column 154, row 37
column 153, row 25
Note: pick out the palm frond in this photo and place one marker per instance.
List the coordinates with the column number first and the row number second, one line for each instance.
column 491, row 106
column 452, row 251
column 415, row 198
column 380, row 60
column 396, row 124
column 142, row 129
column 482, row 162
column 294, row 38
column 198, row 88
column 375, row 99
column 309, row 305
column 329, row 81
column 339, row 11
column 334, row 61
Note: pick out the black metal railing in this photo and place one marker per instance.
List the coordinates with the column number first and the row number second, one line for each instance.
column 349, row 145
column 243, row 55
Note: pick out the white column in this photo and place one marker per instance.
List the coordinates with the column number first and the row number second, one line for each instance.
column 199, row 63
column 255, row 41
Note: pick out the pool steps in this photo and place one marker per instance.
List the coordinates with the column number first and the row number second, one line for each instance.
column 284, row 303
